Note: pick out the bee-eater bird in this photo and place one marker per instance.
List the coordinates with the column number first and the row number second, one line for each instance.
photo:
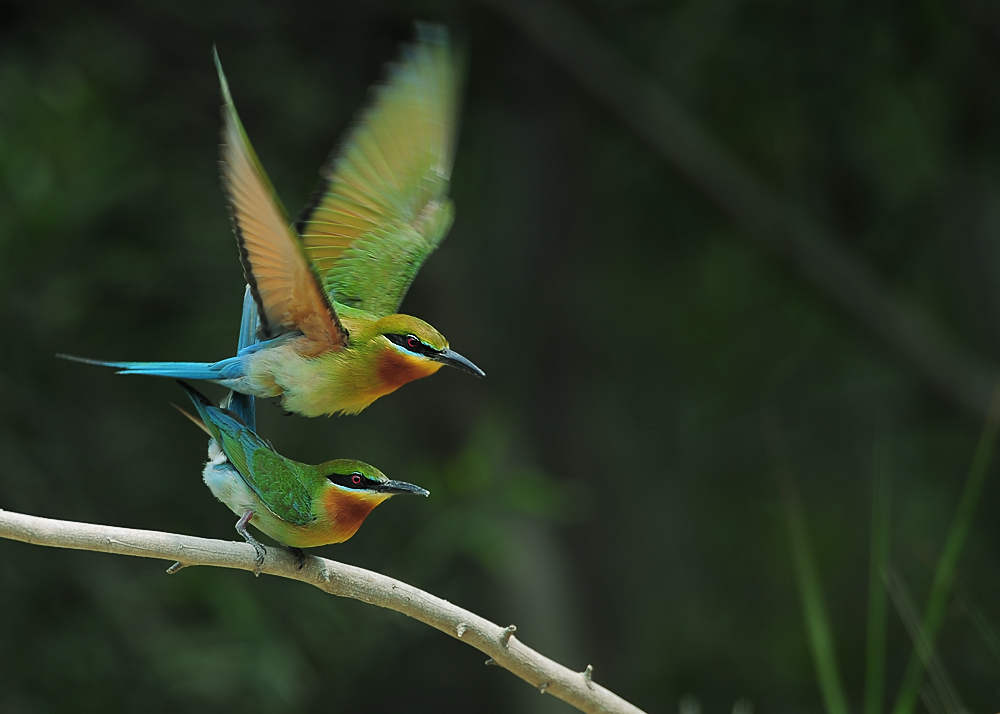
column 299, row 505
column 328, row 287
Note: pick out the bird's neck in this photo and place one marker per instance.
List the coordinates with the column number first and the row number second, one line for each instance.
column 394, row 368
column 343, row 512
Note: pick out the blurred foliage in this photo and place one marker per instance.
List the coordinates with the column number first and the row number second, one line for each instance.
column 607, row 487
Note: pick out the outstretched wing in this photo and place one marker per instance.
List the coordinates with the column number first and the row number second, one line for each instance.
column 288, row 294
column 382, row 206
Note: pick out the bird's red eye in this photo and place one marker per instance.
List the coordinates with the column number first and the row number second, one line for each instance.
column 412, row 342
column 356, row 479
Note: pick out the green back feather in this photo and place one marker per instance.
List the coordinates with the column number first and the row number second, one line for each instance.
column 284, row 486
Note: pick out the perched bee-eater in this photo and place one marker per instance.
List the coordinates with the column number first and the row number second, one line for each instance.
column 297, row 504
column 327, row 288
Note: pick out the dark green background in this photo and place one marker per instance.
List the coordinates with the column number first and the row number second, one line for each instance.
column 608, row 487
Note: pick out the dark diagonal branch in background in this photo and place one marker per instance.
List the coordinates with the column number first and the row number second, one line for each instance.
column 776, row 224
column 499, row 643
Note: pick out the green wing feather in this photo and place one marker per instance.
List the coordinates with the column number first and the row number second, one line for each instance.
column 280, row 483
column 382, row 207
column 277, row 481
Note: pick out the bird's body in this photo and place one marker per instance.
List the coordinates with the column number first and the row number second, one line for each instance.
column 327, row 288
column 299, row 505
column 343, row 381
column 327, row 382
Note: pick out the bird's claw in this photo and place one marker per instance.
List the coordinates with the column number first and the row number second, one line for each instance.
column 241, row 528
column 261, row 552
column 300, row 556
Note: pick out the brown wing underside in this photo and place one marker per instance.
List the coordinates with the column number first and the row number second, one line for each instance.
column 287, row 291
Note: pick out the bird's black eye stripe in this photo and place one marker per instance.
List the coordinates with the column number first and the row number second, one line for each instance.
column 351, row 480
column 357, row 482
column 412, row 343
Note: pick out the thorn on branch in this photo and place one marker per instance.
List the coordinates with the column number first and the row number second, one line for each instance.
column 491, row 662
column 460, row 629
column 588, row 676
column 543, row 686
column 505, row 635
column 176, row 567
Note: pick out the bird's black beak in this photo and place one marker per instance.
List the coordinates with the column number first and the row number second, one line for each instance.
column 454, row 359
column 401, row 487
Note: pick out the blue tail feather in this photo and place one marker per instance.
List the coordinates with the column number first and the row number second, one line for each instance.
column 231, row 368
column 202, row 405
column 216, row 420
column 249, row 321
column 244, row 405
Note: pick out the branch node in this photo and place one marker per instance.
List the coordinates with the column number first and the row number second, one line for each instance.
column 588, row 676
column 543, row 687
column 176, row 567
column 505, row 635
column 460, row 629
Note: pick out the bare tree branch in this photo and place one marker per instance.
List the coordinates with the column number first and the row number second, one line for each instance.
column 499, row 643
column 775, row 223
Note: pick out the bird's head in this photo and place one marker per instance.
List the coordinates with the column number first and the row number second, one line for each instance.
column 351, row 491
column 412, row 347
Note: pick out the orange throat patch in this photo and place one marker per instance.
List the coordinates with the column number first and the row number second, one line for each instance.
column 396, row 369
column 346, row 511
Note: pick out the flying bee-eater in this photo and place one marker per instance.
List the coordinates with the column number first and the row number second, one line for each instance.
column 327, row 288
column 299, row 505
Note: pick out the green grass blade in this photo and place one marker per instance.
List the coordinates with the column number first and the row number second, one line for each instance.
column 814, row 609
column 982, row 623
column 944, row 575
column 878, row 599
column 939, row 694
